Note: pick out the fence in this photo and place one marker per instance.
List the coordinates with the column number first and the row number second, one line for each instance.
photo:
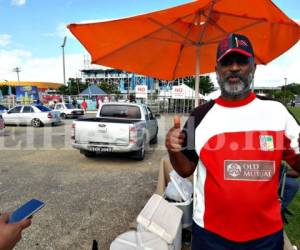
column 158, row 103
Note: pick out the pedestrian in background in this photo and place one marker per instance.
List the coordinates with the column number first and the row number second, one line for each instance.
column 84, row 105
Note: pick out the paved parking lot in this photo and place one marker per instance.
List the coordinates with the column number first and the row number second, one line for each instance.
column 86, row 199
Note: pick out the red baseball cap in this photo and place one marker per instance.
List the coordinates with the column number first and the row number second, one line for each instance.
column 234, row 43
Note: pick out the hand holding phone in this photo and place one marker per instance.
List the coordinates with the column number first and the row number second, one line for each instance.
column 26, row 210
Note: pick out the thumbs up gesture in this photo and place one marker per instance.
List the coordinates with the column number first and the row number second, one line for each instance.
column 175, row 136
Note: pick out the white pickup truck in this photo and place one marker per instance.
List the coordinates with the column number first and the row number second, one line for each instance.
column 68, row 110
column 117, row 127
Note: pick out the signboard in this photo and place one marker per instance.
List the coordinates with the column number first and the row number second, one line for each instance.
column 141, row 91
column 27, row 94
column 178, row 92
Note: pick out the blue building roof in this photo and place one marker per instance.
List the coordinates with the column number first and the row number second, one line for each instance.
column 93, row 90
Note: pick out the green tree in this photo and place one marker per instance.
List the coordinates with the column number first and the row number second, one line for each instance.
column 109, row 88
column 206, row 85
column 74, row 87
column 4, row 89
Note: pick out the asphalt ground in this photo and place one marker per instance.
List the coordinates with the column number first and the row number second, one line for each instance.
column 86, row 198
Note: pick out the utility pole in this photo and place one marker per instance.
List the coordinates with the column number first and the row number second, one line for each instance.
column 17, row 70
column 285, row 81
column 63, row 58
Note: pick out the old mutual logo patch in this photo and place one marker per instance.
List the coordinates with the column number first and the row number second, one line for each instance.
column 266, row 142
column 249, row 170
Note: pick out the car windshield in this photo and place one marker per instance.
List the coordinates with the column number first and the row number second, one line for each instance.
column 120, row 111
column 69, row 106
column 43, row 108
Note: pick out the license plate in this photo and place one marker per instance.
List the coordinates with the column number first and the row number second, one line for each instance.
column 101, row 149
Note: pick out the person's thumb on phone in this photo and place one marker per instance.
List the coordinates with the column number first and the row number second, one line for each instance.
column 176, row 121
column 25, row 223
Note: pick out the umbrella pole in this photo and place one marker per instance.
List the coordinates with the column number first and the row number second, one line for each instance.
column 197, row 80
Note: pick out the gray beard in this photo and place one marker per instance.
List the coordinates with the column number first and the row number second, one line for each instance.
column 235, row 90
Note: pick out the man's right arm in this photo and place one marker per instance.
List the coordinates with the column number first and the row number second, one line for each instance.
column 174, row 141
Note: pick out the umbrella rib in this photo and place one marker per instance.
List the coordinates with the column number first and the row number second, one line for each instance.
column 182, row 47
column 165, row 40
column 145, row 36
column 243, row 17
column 163, row 26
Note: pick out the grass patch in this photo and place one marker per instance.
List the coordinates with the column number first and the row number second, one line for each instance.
column 293, row 228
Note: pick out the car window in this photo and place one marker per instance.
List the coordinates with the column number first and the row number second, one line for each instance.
column 28, row 109
column 69, row 106
column 2, row 107
column 58, row 106
column 151, row 116
column 146, row 113
column 15, row 110
column 121, row 111
column 43, row 108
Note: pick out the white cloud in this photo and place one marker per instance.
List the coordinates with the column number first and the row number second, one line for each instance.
column 61, row 30
column 5, row 39
column 18, row 2
column 38, row 69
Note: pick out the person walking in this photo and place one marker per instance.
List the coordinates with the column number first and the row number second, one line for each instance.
column 234, row 146
column 84, row 105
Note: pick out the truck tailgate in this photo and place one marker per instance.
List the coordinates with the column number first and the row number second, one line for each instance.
column 102, row 133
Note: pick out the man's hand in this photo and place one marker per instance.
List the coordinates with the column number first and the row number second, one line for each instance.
column 10, row 234
column 175, row 137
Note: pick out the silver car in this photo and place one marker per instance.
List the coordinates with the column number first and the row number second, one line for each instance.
column 34, row 115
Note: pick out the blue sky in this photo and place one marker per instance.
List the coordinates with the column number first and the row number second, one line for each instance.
column 32, row 31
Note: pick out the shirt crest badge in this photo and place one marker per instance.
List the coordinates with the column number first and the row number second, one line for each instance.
column 266, row 142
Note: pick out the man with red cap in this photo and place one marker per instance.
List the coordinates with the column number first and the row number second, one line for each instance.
column 234, row 146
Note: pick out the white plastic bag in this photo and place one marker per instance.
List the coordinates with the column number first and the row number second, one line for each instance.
column 183, row 186
column 171, row 192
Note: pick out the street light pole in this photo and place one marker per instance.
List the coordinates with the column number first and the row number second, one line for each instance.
column 17, row 70
column 63, row 58
column 285, row 81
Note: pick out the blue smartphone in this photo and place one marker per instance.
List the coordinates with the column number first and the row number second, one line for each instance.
column 26, row 210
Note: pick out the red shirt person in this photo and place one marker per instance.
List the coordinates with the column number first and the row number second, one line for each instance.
column 234, row 146
column 84, row 105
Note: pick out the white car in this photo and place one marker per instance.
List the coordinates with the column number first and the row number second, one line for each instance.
column 36, row 115
column 68, row 110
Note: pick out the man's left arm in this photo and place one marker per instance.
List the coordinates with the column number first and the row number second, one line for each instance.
column 291, row 152
column 296, row 165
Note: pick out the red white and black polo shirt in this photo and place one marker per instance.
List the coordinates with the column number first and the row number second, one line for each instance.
column 238, row 147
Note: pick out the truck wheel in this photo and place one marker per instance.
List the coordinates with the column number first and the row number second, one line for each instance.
column 88, row 154
column 140, row 154
column 154, row 139
column 63, row 116
column 36, row 123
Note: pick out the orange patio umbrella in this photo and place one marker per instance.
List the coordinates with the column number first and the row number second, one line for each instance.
column 170, row 43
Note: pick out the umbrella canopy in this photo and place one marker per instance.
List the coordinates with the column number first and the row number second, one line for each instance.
column 170, row 43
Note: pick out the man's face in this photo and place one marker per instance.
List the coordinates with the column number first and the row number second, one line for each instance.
column 235, row 73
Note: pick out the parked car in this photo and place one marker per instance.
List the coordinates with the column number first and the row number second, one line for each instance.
column 3, row 109
column 2, row 125
column 118, row 127
column 34, row 115
column 68, row 110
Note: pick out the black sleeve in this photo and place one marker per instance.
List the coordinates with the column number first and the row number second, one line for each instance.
column 189, row 130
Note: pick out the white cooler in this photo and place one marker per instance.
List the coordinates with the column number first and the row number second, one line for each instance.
column 163, row 219
column 133, row 240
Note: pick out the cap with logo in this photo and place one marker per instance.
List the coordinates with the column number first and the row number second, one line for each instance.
column 234, row 43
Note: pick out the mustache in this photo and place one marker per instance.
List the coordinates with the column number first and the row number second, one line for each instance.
column 235, row 75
